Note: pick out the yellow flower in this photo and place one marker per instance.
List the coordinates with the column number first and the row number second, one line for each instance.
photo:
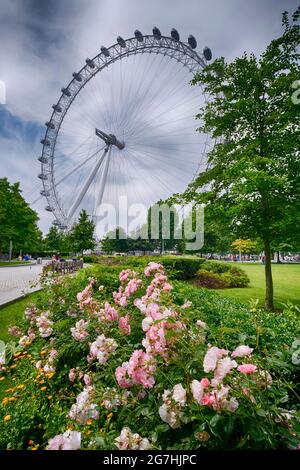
column 30, row 442
column 89, row 422
column 49, row 397
column 89, row 432
column 42, row 382
column 43, row 388
column 2, row 378
column 13, row 366
column 50, row 375
column 34, row 448
column 43, row 352
column 17, row 354
column 8, row 390
column 109, row 415
column 14, row 378
column 21, row 386
column 7, row 418
column 5, row 400
column 12, row 399
column 33, row 396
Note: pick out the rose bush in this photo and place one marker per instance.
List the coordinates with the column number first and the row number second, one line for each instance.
column 127, row 361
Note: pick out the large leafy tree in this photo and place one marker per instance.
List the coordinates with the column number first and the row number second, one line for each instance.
column 56, row 240
column 18, row 222
column 115, row 241
column 253, row 181
column 81, row 236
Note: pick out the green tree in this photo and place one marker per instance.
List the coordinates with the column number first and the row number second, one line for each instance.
column 253, row 177
column 243, row 246
column 55, row 240
column 115, row 241
column 81, row 236
column 18, row 222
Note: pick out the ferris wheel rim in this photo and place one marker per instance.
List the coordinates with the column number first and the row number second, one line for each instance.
column 165, row 45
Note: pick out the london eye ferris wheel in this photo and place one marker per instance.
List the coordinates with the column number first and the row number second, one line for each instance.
column 125, row 125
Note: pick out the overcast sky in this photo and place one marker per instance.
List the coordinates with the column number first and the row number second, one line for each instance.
column 44, row 42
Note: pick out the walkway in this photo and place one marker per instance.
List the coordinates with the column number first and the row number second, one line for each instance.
column 16, row 281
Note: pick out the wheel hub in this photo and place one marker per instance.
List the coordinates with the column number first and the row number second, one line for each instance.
column 110, row 139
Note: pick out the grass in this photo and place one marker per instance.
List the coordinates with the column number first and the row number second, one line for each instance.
column 14, row 262
column 286, row 278
column 12, row 313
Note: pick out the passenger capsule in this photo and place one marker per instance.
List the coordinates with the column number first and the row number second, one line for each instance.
column 77, row 77
column 66, row 91
column 175, row 34
column 105, row 51
column 48, row 209
column 121, row 41
column 138, row 35
column 192, row 41
column 207, row 53
column 90, row 63
column 57, row 108
column 43, row 159
column 45, row 142
column 44, row 193
column 156, row 33
column 50, row 125
column 42, row 176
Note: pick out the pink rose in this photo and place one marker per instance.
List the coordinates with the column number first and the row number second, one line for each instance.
column 211, row 358
column 205, row 382
column 247, row 368
column 197, row 391
column 124, row 325
column 242, row 351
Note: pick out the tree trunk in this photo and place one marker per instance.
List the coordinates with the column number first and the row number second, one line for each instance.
column 268, row 277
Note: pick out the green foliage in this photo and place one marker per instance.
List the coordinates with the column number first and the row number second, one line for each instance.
column 210, row 280
column 56, row 240
column 18, row 221
column 218, row 275
column 177, row 267
column 81, row 236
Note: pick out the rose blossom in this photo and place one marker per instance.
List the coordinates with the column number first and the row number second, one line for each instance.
column 242, row 351
column 69, row 440
column 197, row 389
column 247, row 368
column 124, row 325
column 79, row 331
column 179, row 394
column 211, row 358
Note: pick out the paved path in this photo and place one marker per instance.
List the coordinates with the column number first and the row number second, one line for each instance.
column 16, row 281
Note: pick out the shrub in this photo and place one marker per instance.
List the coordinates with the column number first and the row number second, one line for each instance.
column 218, row 267
column 210, row 280
column 177, row 267
column 231, row 276
column 92, row 368
column 235, row 277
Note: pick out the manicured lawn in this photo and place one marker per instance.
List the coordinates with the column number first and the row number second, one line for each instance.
column 286, row 278
column 14, row 262
column 12, row 313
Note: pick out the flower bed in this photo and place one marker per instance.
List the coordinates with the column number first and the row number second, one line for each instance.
column 130, row 362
